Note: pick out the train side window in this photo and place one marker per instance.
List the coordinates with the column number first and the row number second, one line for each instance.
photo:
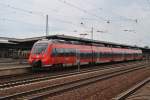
column 84, row 55
column 72, row 52
column 60, row 52
column 93, row 54
column 54, row 52
column 80, row 54
column 68, row 52
column 88, row 55
column 100, row 55
column 64, row 52
column 96, row 55
column 108, row 54
column 57, row 51
column 105, row 54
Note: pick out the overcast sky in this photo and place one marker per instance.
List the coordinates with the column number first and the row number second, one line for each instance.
column 120, row 21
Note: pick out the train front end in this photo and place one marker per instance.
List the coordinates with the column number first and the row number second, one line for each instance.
column 39, row 55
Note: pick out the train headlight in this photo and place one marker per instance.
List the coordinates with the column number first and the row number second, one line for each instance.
column 37, row 56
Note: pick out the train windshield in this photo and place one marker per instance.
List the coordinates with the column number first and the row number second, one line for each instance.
column 39, row 48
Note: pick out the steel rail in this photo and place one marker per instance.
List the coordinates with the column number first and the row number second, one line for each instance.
column 130, row 91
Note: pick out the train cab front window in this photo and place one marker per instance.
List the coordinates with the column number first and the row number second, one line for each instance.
column 39, row 48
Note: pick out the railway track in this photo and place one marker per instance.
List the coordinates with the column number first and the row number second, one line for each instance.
column 45, row 76
column 126, row 94
column 52, row 91
column 40, row 92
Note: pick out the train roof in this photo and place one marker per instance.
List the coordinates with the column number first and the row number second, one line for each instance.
column 89, row 41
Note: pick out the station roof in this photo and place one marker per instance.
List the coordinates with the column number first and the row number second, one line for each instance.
column 5, row 41
column 15, row 40
column 68, row 38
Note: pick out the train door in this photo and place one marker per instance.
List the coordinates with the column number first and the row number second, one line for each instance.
column 54, row 55
column 112, row 54
column 77, row 57
column 97, row 57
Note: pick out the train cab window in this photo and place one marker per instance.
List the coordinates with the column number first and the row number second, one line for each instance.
column 39, row 48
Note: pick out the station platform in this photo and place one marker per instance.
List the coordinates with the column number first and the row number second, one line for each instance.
column 13, row 66
column 9, row 67
column 11, row 60
column 5, row 60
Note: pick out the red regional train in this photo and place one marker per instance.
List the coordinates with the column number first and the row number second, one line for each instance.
column 50, row 53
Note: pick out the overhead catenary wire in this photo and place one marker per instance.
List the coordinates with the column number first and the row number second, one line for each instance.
column 23, row 10
column 18, row 21
column 83, row 10
column 39, row 28
column 59, row 20
column 33, row 13
column 41, row 13
column 119, row 17
column 108, row 21
column 30, row 12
